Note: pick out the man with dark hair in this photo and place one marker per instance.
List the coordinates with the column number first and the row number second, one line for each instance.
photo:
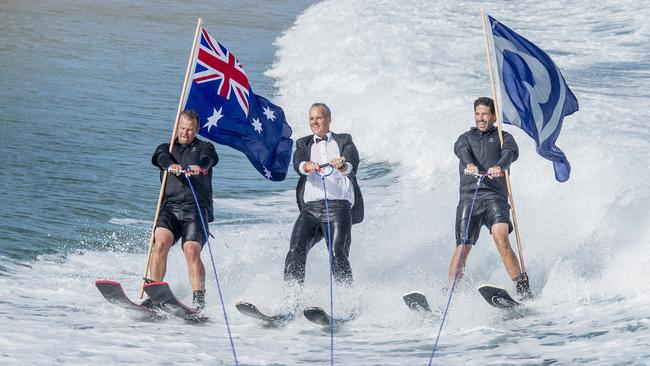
column 179, row 217
column 344, row 198
column 480, row 151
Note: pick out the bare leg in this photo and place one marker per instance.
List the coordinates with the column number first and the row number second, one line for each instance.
column 453, row 266
column 500, row 235
column 163, row 239
column 195, row 268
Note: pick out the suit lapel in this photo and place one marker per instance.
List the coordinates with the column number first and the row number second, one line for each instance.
column 339, row 143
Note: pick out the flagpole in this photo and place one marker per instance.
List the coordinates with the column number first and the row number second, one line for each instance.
column 199, row 26
column 499, row 128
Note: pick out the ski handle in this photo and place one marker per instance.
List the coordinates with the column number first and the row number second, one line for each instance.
column 325, row 170
column 186, row 171
column 483, row 175
column 325, row 167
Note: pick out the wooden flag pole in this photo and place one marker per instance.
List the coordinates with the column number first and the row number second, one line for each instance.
column 199, row 26
column 498, row 115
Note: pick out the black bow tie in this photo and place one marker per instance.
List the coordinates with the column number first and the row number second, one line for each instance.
column 318, row 139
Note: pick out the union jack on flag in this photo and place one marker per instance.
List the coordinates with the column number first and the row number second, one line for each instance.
column 231, row 114
column 219, row 64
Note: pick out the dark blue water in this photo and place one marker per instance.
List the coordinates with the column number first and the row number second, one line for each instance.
column 87, row 90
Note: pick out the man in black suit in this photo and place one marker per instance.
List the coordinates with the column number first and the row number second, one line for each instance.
column 344, row 198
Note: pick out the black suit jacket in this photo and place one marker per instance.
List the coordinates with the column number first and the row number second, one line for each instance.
column 348, row 150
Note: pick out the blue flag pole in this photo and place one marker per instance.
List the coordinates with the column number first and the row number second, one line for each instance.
column 511, row 199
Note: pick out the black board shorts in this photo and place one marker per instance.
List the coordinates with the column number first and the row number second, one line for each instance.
column 485, row 213
column 184, row 223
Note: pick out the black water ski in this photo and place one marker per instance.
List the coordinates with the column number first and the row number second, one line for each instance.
column 270, row 321
column 497, row 297
column 114, row 293
column 319, row 316
column 416, row 300
column 162, row 295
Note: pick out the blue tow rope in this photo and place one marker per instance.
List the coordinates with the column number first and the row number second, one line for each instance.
column 330, row 250
column 460, row 260
column 214, row 268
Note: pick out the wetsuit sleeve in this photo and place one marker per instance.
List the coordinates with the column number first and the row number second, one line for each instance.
column 509, row 151
column 208, row 157
column 161, row 157
column 463, row 150
column 351, row 155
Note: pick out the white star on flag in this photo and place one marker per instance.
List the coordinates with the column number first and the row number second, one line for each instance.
column 212, row 120
column 267, row 173
column 269, row 113
column 257, row 125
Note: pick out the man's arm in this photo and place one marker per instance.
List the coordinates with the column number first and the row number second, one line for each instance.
column 301, row 163
column 509, row 152
column 163, row 160
column 351, row 155
column 161, row 157
column 463, row 151
column 208, row 158
column 299, row 155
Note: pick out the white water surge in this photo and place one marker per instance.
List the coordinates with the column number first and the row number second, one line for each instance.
column 401, row 78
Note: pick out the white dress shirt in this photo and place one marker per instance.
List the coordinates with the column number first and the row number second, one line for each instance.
column 339, row 186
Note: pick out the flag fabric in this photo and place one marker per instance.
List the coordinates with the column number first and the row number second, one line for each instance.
column 533, row 94
column 231, row 114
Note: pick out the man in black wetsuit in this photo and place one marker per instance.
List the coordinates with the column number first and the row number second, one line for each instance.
column 179, row 218
column 343, row 197
column 480, row 151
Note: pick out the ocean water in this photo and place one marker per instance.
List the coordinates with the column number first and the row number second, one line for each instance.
column 89, row 89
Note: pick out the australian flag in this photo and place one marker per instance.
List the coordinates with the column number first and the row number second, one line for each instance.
column 533, row 93
column 231, row 114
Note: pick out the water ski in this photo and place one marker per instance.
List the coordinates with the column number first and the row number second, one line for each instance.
column 270, row 321
column 114, row 293
column 497, row 297
column 416, row 300
column 319, row 316
column 165, row 299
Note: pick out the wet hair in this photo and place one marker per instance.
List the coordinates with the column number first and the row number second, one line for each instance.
column 324, row 106
column 488, row 102
column 191, row 115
